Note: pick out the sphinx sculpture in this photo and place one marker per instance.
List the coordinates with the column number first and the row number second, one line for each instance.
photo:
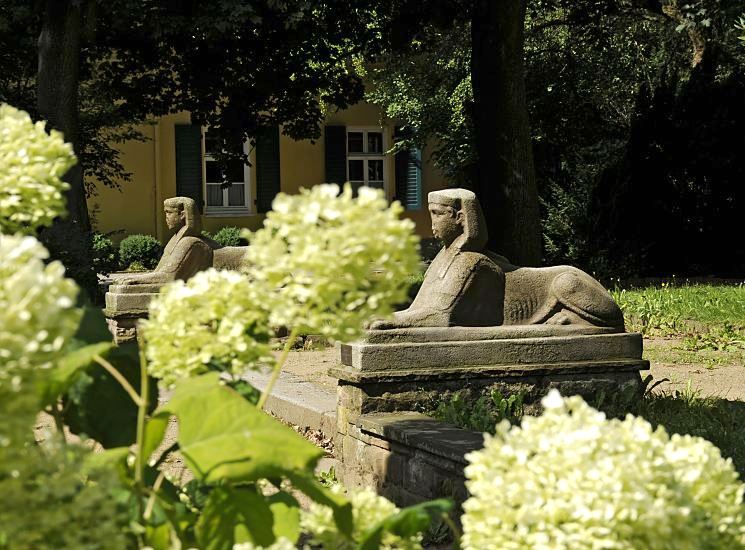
column 186, row 253
column 467, row 285
column 482, row 326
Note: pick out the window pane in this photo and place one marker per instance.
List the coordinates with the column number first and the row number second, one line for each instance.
column 214, row 195
column 356, row 170
column 374, row 142
column 213, row 173
column 235, row 170
column 236, row 195
column 375, row 170
column 210, row 144
column 355, row 142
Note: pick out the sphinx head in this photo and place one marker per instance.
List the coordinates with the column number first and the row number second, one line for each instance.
column 182, row 211
column 457, row 219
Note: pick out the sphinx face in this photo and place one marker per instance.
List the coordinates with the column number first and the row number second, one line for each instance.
column 447, row 224
column 174, row 217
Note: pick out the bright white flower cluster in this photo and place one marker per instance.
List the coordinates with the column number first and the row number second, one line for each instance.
column 215, row 321
column 31, row 165
column 332, row 260
column 37, row 313
column 281, row 543
column 368, row 509
column 572, row 479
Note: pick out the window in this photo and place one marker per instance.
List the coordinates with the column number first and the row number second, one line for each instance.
column 366, row 160
column 227, row 201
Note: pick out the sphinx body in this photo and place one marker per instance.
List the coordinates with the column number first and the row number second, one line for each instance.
column 466, row 285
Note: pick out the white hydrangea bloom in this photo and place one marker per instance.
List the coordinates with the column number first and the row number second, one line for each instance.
column 572, row 479
column 32, row 161
column 37, row 313
column 368, row 509
column 281, row 543
column 215, row 321
column 332, row 260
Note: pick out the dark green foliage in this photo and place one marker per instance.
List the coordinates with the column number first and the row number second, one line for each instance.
column 71, row 244
column 96, row 405
column 105, row 253
column 144, row 249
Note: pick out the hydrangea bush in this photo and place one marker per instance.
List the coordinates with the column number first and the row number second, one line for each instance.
column 32, row 161
column 572, row 479
column 368, row 509
column 318, row 252
column 37, row 313
column 212, row 322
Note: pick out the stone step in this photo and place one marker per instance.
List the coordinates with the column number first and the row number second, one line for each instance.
column 298, row 402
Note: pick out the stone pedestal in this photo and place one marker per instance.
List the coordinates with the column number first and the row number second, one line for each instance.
column 125, row 306
column 405, row 369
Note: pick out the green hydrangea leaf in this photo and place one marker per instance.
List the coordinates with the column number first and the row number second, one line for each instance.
column 233, row 515
column 62, row 376
column 96, row 404
column 224, row 437
column 406, row 523
column 286, row 511
column 155, row 430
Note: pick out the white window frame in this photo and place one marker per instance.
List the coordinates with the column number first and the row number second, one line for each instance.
column 227, row 211
column 365, row 156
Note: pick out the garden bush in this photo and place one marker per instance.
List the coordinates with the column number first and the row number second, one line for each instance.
column 143, row 249
column 229, row 236
column 105, row 254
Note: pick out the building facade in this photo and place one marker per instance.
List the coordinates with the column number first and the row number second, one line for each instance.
column 176, row 160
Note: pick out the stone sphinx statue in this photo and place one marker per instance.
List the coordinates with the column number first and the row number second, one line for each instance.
column 469, row 286
column 187, row 251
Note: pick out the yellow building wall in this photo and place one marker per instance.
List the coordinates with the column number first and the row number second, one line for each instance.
column 137, row 208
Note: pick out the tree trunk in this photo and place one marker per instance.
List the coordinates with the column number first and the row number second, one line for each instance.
column 57, row 90
column 504, row 175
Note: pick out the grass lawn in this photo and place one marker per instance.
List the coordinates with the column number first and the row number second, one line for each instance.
column 688, row 324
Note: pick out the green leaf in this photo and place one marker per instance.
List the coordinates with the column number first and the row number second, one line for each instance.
column 158, row 537
column 222, row 436
column 92, row 328
column 405, row 523
column 233, row 515
column 107, row 460
column 315, row 490
column 286, row 511
column 155, row 430
column 61, row 377
column 97, row 405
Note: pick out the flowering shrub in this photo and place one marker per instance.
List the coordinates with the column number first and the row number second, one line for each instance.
column 32, row 161
column 318, row 251
column 572, row 479
column 368, row 509
column 37, row 313
column 212, row 322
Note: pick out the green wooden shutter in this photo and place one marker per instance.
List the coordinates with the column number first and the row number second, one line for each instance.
column 189, row 162
column 267, row 167
column 409, row 176
column 335, row 141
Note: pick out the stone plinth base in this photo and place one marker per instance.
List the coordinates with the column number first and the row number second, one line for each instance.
column 125, row 306
column 406, row 369
column 124, row 329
